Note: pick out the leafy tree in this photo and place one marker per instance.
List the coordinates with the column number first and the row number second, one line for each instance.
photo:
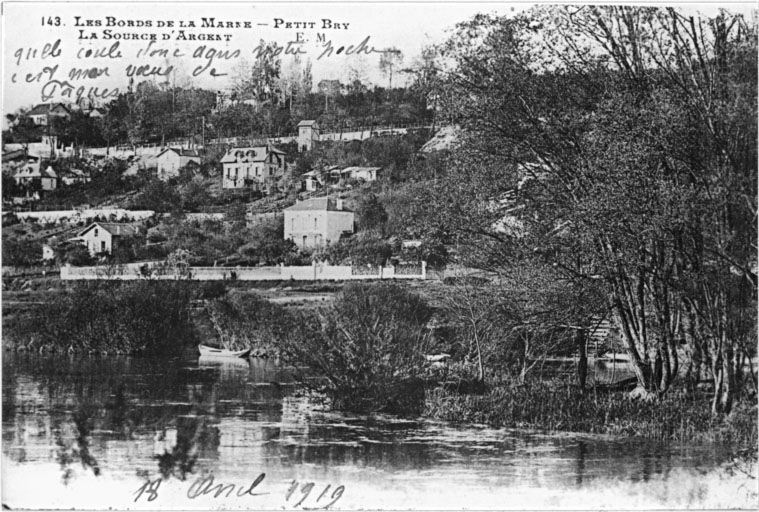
column 603, row 133
column 73, row 253
column 267, row 244
column 21, row 253
column 370, row 212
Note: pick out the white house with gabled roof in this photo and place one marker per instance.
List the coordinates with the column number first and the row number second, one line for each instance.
column 170, row 161
column 100, row 237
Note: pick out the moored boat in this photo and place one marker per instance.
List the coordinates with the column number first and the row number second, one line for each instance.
column 205, row 350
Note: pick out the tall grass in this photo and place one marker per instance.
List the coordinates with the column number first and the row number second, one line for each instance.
column 143, row 317
column 560, row 406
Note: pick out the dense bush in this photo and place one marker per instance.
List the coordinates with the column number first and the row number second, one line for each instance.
column 150, row 317
column 243, row 320
column 267, row 244
column 363, row 249
column 21, row 253
column 369, row 346
column 370, row 214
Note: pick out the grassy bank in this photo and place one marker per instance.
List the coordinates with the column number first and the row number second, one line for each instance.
column 560, row 406
column 104, row 317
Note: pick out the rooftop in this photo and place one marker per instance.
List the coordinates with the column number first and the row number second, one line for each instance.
column 180, row 152
column 114, row 228
column 250, row 154
column 44, row 108
column 319, row 204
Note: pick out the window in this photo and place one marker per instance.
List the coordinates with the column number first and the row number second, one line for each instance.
column 292, row 224
column 102, row 246
column 96, row 232
column 316, row 223
column 305, row 240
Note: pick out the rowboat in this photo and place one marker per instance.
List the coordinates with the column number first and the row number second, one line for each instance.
column 205, row 350
column 615, row 357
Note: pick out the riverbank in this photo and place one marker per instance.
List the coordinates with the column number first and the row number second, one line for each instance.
column 101, row 318
column 556, row 405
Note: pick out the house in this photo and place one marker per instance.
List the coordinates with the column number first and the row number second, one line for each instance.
column 17, row 158
column 316, row 222
column 259, row 167
column 97, row 113
column 313, row 180
column 308, row 133
column 30, row 174
column 170, row 161
column 362, row 173
column 101, row 237
column 74, row 176
column 41, row 114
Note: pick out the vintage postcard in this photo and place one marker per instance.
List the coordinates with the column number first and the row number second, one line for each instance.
column 395, row 256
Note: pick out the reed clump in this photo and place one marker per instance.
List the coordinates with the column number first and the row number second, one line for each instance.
column 560, row 406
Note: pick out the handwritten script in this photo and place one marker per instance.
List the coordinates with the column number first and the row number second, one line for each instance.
column 109, row 52
column 307, row 495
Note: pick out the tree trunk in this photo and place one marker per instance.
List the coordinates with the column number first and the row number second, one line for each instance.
column 582, row 365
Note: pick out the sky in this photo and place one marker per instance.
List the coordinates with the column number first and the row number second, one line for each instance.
column 407, row 27
column 28, row 27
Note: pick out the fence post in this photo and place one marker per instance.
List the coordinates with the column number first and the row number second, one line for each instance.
column 424, row 269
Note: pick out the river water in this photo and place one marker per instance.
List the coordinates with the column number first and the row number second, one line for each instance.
column 164, row 433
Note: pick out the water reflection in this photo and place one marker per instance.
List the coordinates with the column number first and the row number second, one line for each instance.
column 175, row 418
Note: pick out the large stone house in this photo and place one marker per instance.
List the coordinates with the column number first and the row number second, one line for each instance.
column 101, row 237
column 316, row 222
column 260, row 168
column 170, row 161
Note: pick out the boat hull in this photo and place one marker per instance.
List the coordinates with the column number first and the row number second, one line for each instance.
column 205, row 350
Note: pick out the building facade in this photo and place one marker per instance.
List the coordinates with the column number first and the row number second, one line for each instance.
column 101, row 237
column 317, row 222
column 259, row 168
column 32, row 173
column 308, row 133
column 42, row 113
column 170, row 161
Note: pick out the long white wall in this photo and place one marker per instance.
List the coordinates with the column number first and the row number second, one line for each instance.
column 316, row 272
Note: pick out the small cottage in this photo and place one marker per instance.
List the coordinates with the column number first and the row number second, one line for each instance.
column 102, row 237
column 170, row 161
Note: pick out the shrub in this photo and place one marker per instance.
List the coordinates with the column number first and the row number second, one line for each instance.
column 21, row 253
column 150, row 317
column 369, row 346
column 244, row 320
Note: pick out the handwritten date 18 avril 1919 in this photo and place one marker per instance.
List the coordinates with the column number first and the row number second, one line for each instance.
column 306, row 495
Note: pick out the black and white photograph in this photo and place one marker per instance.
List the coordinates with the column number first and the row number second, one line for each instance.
column 379, row 256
